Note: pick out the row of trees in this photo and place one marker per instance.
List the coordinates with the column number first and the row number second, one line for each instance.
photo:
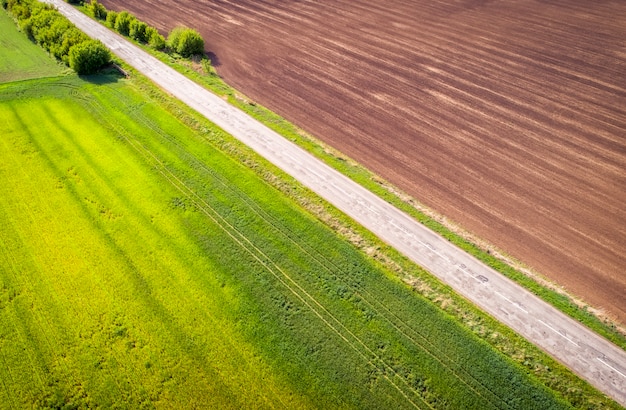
column 50, row 29
column 181, row 40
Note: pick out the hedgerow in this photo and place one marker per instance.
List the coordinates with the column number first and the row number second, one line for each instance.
column 57, row 35
column 182, row 40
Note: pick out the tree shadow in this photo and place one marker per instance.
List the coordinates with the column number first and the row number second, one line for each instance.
column 215, row 61
column 106, row 75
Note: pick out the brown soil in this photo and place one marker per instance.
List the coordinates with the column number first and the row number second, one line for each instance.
column 507, row 117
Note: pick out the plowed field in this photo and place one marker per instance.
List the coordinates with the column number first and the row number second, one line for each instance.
column 507, row 117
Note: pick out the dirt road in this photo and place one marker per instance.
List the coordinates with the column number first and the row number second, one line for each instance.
column 507, row 117
column 595, row 359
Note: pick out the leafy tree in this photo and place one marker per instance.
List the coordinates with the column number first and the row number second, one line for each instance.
column 186, row 41
column 138, row 31
column 69, row 39
column 111, row 18
column 97, row 10
column 20, row 12
column 123, row 22
column 88, row 56
column 155, row 39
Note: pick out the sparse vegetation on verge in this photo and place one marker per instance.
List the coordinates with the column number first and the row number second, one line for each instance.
column 146, row 264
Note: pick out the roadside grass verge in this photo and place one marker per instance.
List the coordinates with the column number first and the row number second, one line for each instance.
column 21, row 59
column 201, row 72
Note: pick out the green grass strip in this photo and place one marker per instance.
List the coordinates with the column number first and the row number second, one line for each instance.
column 144, row 265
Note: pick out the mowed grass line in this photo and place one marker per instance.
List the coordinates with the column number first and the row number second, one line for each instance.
column 135, row 296
column 21, row 59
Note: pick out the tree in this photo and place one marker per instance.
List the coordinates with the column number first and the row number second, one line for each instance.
column 69, row 39
column 88, row 56
column 111, row 18
column 186, row 41
column 138, row 31
column 123, row 22
column 155, row 39
column 97, row 10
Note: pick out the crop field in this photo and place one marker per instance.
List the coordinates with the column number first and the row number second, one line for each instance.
column 141, row 267
column 506, row 117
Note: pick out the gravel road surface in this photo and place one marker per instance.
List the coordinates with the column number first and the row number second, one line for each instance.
column 592, row 357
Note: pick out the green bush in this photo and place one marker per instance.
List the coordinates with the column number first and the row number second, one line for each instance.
column 97, row 10
column 186, row 41
column 111, row 18
column 57, row 35
column 88, row 56
column 154, row 38
column 123, row 22
column 70, row 37
column 138, row 31
column 20, row 11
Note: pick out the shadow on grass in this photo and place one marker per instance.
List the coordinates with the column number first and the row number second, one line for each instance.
column 107, row 75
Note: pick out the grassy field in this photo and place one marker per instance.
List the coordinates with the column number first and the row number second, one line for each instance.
column 143, row 266
column 20, row 58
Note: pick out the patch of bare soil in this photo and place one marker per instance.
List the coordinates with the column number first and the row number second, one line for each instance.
column 507, row 117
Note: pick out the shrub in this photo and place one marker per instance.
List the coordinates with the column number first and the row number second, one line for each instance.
column 97, row 10
column 154, row 38
column 88, row 56
column 111, row 18
column 123, row 22
column 69, row 39
column 138, row 30
column 20, row 12
column 186, row 41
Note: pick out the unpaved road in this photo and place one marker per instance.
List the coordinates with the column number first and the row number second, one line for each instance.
column 508, row 117
column 592, row 357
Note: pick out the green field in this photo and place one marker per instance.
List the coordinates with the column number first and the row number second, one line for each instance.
column 142, row 266
column 20, row 58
